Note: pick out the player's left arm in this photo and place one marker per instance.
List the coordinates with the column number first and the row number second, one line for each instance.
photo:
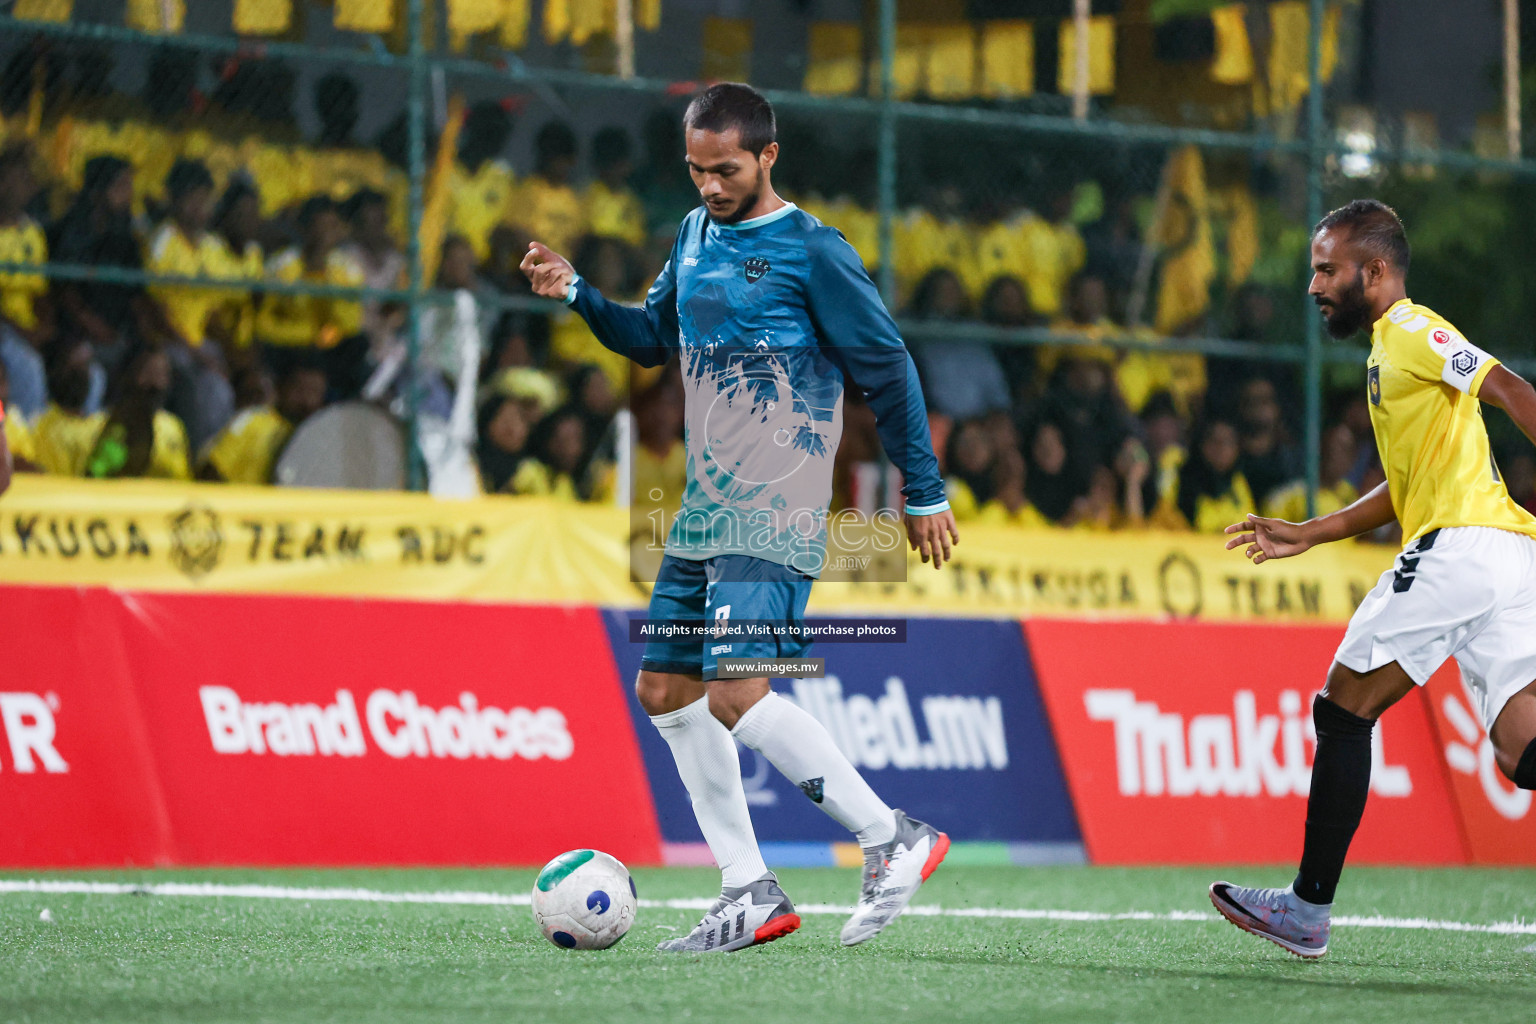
column 859, row 335
column 1512, row 393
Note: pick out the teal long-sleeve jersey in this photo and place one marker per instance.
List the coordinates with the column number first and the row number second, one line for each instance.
column 771, row 317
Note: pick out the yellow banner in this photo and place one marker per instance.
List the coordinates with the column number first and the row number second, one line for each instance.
column 151, row 535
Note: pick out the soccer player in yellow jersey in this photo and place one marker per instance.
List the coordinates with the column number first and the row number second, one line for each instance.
column 1463, row 587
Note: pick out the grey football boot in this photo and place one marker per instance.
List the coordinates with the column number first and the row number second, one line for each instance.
column 750, row 916
column 1278, row 915
column 892, row 874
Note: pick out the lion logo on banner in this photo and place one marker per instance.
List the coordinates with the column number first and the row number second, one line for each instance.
column 196, row 541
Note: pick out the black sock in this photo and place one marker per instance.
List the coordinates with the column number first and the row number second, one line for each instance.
column 1341, row 780
column 1525, row 771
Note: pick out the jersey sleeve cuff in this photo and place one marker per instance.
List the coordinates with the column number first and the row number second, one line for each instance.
column 570, row 290
column 1475, row 387
column 927, row 510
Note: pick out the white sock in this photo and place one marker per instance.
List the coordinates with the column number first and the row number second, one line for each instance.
column 798, row 745
column 707, row 762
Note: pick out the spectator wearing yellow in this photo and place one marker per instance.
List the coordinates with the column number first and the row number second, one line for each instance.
column 557, row 444
column 1086, row 315
column 935, row 236
column 26, row 315
column 339, row 166
column 613, row 208
column 482, row 184
column 1334, row 489
column 609, row 265
column 290, row 322
column 238, row 221
column 140, row 438
column 64, row 434
column 501, row 444
column 660, row 461
column 968, row 463
column 546, row 208
column 193, row 316
column 1211, row 491
column 248, row 449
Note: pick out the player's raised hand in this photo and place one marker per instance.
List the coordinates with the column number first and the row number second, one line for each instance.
column 933, row 535
column 549, row 272
column 1268, row 538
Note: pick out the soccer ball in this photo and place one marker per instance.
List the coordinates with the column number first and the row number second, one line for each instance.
column 584, row 899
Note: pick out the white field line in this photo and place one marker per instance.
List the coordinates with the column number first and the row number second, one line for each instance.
column 500, row 899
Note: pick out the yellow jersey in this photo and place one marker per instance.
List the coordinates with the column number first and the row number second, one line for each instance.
column 1422, row 380
column 63, row 440
column 22, row 242
column 1290, row 502
column 18, row 435
column 247, row 449
column 188, row 307
column 548, row 213
column 615, row 213
column 478, row 203
column 572, row 343
column 302, row 320
column 167, row 451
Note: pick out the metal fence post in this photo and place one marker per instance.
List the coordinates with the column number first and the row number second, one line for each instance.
column 416, row 144
column 887, row 158
column 1316, row 153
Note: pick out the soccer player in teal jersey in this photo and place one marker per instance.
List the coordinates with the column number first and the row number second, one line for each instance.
column 770, row 313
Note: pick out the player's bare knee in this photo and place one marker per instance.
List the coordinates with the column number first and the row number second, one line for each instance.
column 660, row 693
column 730, row 701
column 1366, row 694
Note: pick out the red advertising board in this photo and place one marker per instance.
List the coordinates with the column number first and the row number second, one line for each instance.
column 1497, row 818
column 298, row 730
column 1192, row 743
column 77, row 786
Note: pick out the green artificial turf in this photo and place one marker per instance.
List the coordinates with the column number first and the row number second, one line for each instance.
column 175, row 958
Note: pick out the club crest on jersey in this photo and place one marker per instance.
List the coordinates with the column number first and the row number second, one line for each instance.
column 755, row 267
column 814, row 788
column 1373, row 384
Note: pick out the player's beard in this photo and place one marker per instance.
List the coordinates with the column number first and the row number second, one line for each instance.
column 1351, row 311
column 748, row 203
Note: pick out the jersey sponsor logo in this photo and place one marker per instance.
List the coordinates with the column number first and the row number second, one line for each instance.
column 399, row 725
column 1158, row 753
column 1440, row 336
column 1464, row 362
column 27, row 720
column 755, row 267
column 1373, row 384
column 690, row 261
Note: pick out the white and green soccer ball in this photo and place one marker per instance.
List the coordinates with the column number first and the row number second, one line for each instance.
column 584, row 899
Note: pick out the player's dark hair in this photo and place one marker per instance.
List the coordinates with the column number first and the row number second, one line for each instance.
column 734, row 105
column 187, row 176
column 1374, row 226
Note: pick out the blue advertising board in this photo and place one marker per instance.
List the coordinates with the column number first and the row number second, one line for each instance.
column 949, row 726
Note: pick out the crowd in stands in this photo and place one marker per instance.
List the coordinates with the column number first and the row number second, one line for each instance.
column 107, row 377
